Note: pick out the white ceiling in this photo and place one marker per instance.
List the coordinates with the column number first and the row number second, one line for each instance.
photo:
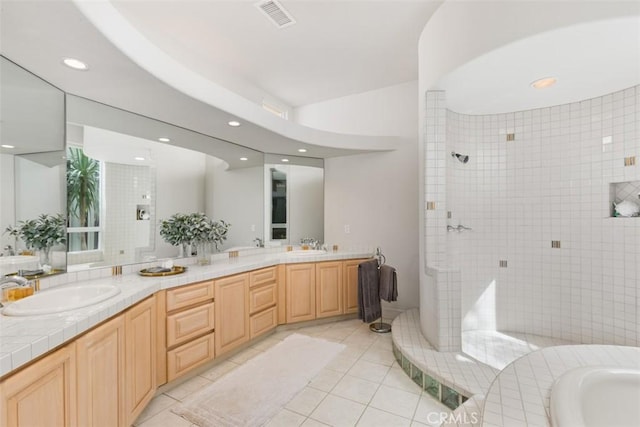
column 336, row 48
column 588, row 60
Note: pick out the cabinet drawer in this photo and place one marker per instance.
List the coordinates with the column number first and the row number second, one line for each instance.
column 189, row 295
column 262, row 297
column 189, row 323
column 188, row 356
column 263, row 322
column 261, row 277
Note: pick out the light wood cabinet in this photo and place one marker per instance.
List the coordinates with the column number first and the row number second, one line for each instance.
column 185, row 329
column 100, row 371
column 263, row 301
column 188, row 324
column 350, row 285
column 300, row 283
column 263, row 322
column 329, row 291
column 182, row 359
column 140, row 357
column 116, row 367
column 42, row 394
column 189, row 295
column 232, row 312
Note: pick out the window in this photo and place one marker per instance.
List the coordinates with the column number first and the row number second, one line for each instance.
column 83, row 201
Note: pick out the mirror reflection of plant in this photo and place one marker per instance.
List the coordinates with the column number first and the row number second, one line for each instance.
column 193, row 228
column 175, row 230
column 83, row 188
column 43, row 232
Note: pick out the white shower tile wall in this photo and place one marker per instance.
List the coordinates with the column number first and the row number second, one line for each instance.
column 552, row 182
column 126, row 187
column 442, row 310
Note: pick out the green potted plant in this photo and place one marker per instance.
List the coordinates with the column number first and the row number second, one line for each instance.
column 41, row 233
column 195, row 229
column 177, row 232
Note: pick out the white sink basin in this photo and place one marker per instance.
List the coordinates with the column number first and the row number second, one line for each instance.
column 308, row 252
column 11, row 264
column 61, row 299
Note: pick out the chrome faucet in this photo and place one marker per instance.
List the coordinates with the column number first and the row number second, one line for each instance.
column 8, row 249
column 259, row 243
column 313, row 243
column 19, row 280
column 13, row 280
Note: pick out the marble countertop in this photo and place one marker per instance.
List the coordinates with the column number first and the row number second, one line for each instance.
column 23, row 339
column 519, row 396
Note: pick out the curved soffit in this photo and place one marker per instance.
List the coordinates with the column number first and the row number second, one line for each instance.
column 105, row 17
column 588, row 60
column 461, row 31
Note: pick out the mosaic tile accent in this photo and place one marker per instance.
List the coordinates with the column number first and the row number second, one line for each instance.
column 450, row 397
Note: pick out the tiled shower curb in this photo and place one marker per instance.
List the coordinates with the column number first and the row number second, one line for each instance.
column 449, row 396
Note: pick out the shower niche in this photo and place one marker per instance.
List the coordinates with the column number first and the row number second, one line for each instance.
column 627, row 193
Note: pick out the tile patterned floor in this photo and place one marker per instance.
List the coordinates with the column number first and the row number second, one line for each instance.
column 498, row 349
column 362, row 386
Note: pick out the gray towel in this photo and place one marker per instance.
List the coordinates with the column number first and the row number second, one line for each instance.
column 388, row 283
column 369, row 308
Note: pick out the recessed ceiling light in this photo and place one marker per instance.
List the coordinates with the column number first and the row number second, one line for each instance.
column 302, row 150
column 544, row 82
column 244, row 159
column 76, row 64
column 164, row 139
column 7, row 146
column 140, row 159
column 234, row 123
column 285, row 160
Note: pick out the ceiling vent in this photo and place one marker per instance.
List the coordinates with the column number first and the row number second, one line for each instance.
column 276, row 13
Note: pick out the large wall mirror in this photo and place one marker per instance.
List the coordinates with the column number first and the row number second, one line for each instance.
column 32, row 166
column 141, row 171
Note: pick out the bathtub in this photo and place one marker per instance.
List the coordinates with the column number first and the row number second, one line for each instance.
column 596, row 396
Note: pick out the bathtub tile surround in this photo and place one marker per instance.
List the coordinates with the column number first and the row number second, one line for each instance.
column 520, row 394
column 552, row 182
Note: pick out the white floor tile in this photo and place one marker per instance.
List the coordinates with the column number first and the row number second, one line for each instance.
column 166, row 418
column 377, row 355
column 396, row 378
column 326, row 380
column 219, row 370
column 157, row 405
column 245, row 355
column 286, row 418
column 342, row 363
column 356, row 389
column 396, row 401
column 338, row 412
column 187, row 388
column 310, row 422
column 373, row 417
column 306, row 401
column 369, row 371
column 429, row 411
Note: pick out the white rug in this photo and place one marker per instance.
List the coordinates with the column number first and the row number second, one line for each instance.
column 253, row 393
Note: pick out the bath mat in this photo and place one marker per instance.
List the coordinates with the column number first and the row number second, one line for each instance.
column 253, row 393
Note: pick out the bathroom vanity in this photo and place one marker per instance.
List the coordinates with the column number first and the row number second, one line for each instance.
column 67, row 368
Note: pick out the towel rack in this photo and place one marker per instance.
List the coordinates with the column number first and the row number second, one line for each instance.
column 381, row 328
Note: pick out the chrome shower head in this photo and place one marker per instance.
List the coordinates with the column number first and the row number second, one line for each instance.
column 463, row 158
